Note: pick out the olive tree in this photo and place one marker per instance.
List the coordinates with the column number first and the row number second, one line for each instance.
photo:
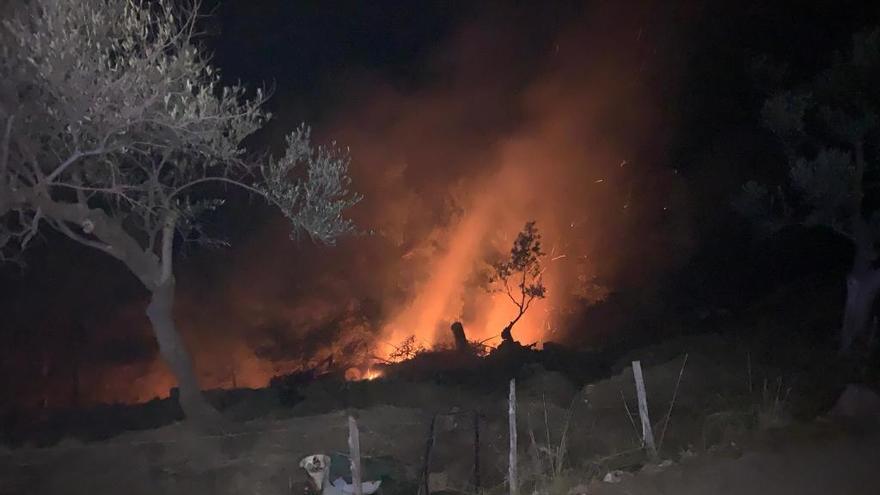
column 828, row 129
column 117, row 132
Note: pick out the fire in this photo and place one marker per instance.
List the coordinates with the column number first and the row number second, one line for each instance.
column 573, row 146
column 372, row 374
column 358, row 375
column 448, row 294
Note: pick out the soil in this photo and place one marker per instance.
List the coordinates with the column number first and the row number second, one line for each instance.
column 733, row 428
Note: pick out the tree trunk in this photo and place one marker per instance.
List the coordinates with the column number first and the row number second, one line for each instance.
column 175, row 354
column 863, row 281
column 507, row 333
column 459, row 337
column 512, row 463
column 862, row 286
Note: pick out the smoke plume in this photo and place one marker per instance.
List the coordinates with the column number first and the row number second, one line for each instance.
column 520, row 116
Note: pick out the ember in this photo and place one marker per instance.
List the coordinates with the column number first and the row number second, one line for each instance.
column 372, row 374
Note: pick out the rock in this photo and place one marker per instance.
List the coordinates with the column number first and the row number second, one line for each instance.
column 687, row 453
column 615, row 476
column 858, row 403
column 438, row 482
column 656, row 468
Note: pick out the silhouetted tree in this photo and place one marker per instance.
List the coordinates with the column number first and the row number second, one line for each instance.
column 519, row 275
column 828, row 128
column 407, row 350
column 116, row 131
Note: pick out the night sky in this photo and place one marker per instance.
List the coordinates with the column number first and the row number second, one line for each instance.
column 659, row 102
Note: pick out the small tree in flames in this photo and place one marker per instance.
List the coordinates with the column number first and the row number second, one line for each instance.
column 519, row 275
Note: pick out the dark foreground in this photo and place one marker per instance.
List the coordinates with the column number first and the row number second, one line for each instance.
column 731, row 430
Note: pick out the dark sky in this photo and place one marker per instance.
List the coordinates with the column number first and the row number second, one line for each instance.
column 308, row 49
column 344, row 66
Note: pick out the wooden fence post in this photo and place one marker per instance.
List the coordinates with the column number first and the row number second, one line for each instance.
column 647, row 432
column 512, row 468
column 477, row 488
column 426, row 468
column 354, row 449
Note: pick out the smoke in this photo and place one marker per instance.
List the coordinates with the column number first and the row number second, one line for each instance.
column 568, row 129
column 558, row 117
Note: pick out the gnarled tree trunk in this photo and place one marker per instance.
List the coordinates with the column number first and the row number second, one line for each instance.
column 175, row 354
column 160, row 311
column 863, row 281
column 862, row 286
column 154, row 270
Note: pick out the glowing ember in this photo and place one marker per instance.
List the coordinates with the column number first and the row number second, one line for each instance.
column 372, row 374
column 358, row 375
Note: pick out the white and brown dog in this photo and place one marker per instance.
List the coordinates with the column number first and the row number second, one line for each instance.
column 318, row 468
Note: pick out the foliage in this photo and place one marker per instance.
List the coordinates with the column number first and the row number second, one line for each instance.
column 519, row 276
column 828, row 130
column 117, row 132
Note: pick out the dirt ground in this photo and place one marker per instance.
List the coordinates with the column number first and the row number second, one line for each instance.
column 729, row 431
column 264, row 462
column 262, row 459
column 844, row 464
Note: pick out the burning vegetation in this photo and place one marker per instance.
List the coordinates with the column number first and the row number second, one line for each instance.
column 449, row 171
column 489, row 317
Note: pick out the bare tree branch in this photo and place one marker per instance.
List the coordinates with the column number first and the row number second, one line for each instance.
column 224, row 180
column 77, row 155
column 64, row 229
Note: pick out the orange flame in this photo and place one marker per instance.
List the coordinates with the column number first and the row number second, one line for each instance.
column 372, row 374
column 489, row 225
